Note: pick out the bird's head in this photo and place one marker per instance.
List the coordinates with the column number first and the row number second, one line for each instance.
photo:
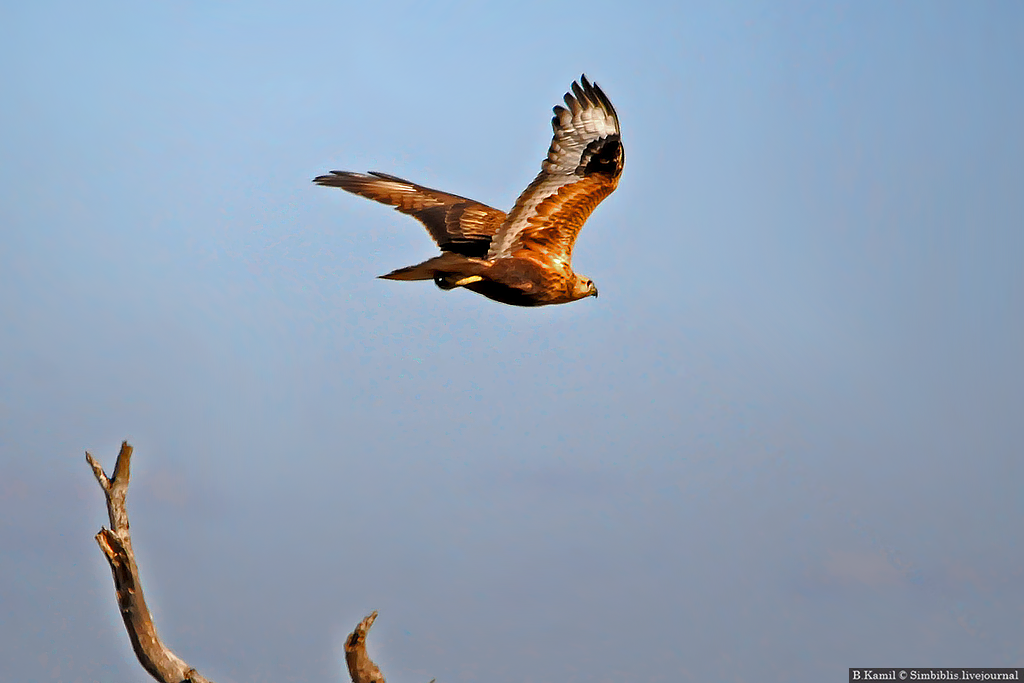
column 583, row 287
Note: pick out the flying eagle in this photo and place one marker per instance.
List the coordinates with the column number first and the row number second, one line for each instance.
column 524, row 257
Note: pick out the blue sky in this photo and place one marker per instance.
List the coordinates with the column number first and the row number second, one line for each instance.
column 785, row 440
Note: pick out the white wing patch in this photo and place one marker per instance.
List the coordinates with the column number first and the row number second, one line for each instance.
column 587, row 117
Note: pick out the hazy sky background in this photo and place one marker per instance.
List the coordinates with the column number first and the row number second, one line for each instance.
column 786, row 439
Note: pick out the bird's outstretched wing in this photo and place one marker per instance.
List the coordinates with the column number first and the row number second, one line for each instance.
column 583, row 166
column 457, row 224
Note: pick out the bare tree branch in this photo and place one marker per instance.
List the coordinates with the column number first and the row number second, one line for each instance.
column 116, row 544
column 360, row 667
column 155, row 657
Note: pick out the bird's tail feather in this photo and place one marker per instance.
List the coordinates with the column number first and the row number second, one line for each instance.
column 448, row 266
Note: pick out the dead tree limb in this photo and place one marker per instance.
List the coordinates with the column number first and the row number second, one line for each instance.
column 116, row 544
column 155, row 657
column 360, row 667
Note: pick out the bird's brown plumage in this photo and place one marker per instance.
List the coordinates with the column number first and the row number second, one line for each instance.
column 523, row 258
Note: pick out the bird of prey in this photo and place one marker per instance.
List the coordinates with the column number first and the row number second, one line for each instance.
column 523, row 258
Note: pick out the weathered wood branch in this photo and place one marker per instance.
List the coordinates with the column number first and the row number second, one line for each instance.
column 360, row 667
column 155, row 657
column 116, row 544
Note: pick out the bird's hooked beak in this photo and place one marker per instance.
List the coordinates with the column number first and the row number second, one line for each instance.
column 593, row 291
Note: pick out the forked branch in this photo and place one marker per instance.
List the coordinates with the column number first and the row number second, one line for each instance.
column 155, row 657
